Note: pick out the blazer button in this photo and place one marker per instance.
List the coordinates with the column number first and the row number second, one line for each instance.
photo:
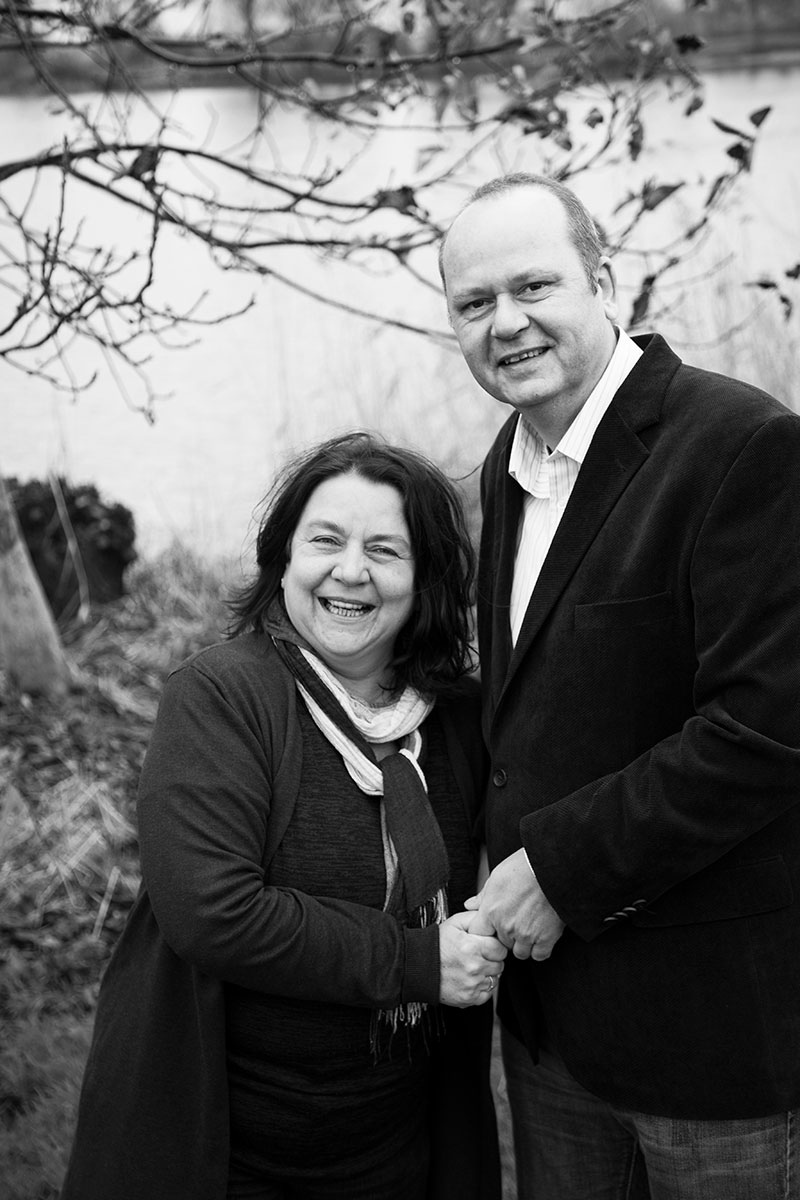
column 500, row 778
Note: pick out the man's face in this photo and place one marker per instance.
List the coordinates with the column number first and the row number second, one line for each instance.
column 533, row 330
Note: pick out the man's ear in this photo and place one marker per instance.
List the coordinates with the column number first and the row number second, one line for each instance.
column 607, row 286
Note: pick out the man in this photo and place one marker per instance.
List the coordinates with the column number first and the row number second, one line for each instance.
column 639, row 623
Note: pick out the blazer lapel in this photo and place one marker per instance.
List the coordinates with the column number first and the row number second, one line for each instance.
column 496, row 586
column 614, row 456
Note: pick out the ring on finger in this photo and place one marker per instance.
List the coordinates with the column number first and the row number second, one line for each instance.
column 490, row 982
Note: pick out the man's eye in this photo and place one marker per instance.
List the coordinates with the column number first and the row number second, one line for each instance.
column 533, row 286
column 476, row 305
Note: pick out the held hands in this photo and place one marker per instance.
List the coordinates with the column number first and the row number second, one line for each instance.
column 470, row 964
column 512, row 906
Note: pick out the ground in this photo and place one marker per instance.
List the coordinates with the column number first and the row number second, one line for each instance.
column 68, row 851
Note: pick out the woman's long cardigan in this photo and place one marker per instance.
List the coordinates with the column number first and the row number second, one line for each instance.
column 227, row 752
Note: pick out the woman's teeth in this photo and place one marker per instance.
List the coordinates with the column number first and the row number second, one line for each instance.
column 344, row 608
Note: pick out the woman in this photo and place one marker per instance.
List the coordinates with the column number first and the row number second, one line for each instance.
column 288, row 1014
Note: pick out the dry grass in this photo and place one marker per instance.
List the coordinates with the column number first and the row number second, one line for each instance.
column 739, row 330
column 68, row 853
column 40, row 1067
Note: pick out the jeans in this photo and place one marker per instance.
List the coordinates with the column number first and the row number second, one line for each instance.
column 570, row 1145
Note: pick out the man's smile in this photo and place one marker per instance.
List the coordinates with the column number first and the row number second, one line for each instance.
column 509, row 360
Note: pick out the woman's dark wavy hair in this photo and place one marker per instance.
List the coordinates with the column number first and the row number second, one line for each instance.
column 432, row 650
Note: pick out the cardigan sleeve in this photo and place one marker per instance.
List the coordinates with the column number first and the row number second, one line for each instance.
column 734, row 766
column 204, row 808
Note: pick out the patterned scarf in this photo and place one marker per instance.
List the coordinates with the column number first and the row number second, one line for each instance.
column 417, row 866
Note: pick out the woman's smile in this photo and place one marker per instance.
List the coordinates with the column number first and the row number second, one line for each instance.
column 347, row 609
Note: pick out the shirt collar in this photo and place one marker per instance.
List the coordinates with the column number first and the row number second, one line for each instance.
column 528, row 451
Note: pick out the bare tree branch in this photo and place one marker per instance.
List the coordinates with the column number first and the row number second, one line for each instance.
column 469, row 77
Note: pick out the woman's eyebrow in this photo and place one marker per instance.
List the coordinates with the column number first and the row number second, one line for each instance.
column 321, row 523
column 331, row 526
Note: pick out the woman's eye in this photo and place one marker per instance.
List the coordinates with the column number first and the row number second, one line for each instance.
column 324, row 540
column 384, row 551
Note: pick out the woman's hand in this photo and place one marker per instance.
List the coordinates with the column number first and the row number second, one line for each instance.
column 470, row 964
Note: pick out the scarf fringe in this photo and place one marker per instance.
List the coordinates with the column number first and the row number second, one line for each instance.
column 413, row 1012
column 387, row 1023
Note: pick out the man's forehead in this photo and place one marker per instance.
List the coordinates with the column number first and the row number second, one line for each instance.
column 506, row 223
column 523, row 199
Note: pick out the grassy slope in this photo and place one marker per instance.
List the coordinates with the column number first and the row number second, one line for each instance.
column 68, row 864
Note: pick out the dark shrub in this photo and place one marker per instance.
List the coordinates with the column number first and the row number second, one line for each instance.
column 99, row 534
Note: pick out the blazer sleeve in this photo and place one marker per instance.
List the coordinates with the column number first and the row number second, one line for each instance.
column 204, row 808
column 734, row 766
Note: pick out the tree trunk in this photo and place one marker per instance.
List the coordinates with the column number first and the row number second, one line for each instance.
column 30, row 648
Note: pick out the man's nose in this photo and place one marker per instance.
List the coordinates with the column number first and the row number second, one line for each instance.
column 351, row 565
column 510, row 317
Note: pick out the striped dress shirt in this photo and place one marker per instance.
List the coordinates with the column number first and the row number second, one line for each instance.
column 548, row 476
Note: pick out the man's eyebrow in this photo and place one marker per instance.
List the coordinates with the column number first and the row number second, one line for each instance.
column 471, row 291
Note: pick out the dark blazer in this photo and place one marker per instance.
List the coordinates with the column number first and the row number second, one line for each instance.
column 645, row 746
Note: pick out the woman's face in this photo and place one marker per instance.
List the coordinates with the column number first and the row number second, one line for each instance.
column 349, row 583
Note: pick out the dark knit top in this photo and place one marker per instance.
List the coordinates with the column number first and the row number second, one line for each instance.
column 309, row 1095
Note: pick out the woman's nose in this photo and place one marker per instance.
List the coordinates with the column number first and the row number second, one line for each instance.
column 509, row 317
column 351, row 565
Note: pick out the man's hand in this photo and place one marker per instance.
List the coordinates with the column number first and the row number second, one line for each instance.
column 512, row 906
